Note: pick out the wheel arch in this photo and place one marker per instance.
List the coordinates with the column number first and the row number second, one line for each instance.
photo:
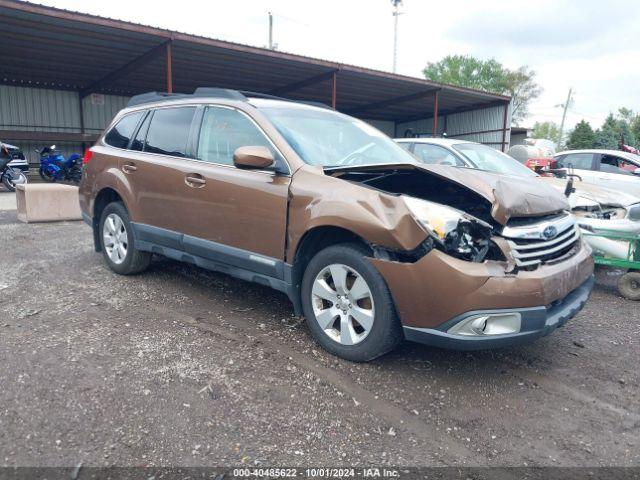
column 105, row 196
column 314, row 240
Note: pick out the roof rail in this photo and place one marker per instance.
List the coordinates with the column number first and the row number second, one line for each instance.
column 212, row 92
column 151, row 97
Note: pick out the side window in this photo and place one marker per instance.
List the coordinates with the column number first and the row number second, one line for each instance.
column 581, row 161
column 611, row 164
column 138, row 141
column 436, row 155
column 405, row 145
column 121, row 132
column 169, row 131
column 223, row 131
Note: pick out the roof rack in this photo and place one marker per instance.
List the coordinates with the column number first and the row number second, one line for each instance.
column 212, row 92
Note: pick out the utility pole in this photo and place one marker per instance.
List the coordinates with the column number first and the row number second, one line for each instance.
column 564, row 116
column 270, row 31
column 396, row 14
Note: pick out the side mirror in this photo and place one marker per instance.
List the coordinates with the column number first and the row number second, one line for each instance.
column 636, row 171
column 53, row 147
column 253, row 158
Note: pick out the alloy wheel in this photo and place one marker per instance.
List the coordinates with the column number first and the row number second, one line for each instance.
column 115, row 238
column 343, row 304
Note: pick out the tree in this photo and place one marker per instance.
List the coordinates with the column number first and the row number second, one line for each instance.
column 546, row 130
column 607, row 136
column 490, row 76
column 635, row 127
column 522, row 89
column 625, row 119
column 615, row 128
column 582, row 136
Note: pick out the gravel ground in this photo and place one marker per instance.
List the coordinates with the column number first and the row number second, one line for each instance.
column 184, row 367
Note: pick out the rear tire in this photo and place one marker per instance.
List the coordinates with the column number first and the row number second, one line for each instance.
column 45, row 176
column 361, row 323
column 629, row 285
column 118, row 243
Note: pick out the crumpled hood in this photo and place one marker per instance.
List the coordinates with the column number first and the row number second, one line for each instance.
column 510, row 195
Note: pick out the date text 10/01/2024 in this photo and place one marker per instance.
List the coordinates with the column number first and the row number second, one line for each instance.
column 316, row 472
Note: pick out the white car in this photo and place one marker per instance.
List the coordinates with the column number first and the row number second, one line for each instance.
column 597, row 208
column 606, row 168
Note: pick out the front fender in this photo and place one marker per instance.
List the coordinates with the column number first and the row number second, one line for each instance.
column 379, row 218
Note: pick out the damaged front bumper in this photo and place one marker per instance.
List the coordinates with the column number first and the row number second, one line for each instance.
column 438, row 291
column 532, row 323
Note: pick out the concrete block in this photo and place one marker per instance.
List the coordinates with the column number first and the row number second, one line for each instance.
column 47, row 202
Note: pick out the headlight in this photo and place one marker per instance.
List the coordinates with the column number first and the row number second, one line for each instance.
column 456, row 233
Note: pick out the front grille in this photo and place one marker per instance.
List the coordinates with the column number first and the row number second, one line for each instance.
column 634, row 212
column 530, row 247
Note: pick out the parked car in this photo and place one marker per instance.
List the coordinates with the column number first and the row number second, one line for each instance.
column 18, row 162
column 369, row 244
column 598, row 209
column 607, row 168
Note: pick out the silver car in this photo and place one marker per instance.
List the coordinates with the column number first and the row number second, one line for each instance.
column 612, row 169
column 597, row 208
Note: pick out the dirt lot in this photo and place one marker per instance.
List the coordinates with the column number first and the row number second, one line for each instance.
column 181, row 366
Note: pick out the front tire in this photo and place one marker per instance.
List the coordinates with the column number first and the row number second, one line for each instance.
column 118, row 242
column 10, row 184
column 348, row 306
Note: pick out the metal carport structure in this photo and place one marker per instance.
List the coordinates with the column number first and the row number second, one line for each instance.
column 65, row 51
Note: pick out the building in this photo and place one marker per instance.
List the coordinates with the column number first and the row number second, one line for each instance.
column 65, row 74
column 519, row 135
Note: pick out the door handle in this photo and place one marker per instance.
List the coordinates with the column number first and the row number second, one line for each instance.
column 194, row 180
column 129, row 168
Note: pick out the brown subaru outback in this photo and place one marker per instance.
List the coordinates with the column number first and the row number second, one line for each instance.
column 371, row 246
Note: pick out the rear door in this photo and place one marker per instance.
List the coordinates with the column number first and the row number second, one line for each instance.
column 153, row 169
column 232, row 214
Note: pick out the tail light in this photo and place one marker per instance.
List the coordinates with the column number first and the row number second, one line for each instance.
column 88, row 154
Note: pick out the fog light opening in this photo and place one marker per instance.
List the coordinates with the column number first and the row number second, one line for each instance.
column 488, row 324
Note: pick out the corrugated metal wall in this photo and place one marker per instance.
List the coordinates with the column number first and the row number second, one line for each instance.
column 460, row 125
column 47, row 110
column 38, row 109
column 421, row 128
column 99, row 110
column 383, row 125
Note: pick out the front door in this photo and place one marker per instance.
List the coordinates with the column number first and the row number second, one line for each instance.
column 234, row 215
column 582, row 164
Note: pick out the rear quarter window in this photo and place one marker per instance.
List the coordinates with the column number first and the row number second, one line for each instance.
column 120, row 135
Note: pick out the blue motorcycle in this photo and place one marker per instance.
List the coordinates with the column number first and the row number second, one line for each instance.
column 55, row 168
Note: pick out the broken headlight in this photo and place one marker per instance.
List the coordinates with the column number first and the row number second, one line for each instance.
column 456, row 233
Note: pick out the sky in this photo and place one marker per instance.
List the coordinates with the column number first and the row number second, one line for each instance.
column 591, row 46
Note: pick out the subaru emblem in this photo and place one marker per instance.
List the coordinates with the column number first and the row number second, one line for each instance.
column 549, row 232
